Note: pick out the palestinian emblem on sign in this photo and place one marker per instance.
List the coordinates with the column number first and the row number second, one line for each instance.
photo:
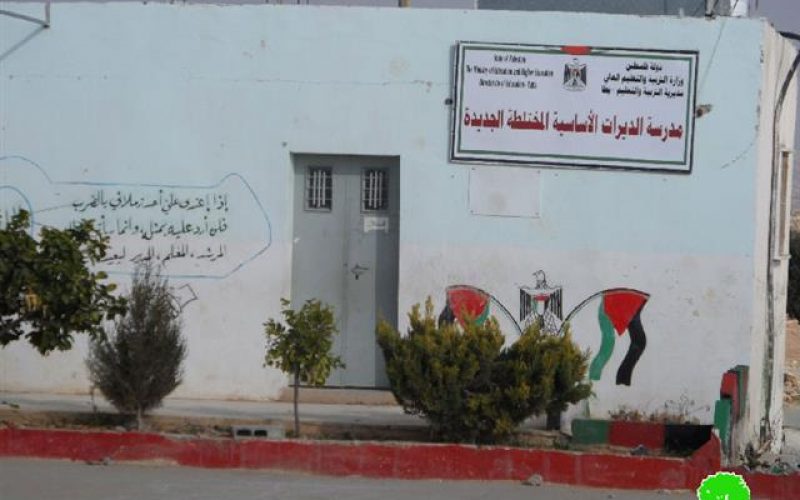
column 575, row 75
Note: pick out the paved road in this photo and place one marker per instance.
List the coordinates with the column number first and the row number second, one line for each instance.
column 38, row 479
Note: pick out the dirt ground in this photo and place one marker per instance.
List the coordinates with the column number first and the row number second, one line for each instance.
column 792, row 375
column 209, row 427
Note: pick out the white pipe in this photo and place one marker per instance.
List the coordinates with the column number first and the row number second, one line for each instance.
column 740, row 8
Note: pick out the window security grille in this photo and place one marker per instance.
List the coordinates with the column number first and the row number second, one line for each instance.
column 319, row 188
column 374, row 190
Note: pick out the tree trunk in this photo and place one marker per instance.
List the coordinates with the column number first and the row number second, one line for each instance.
column 139, row 419
column 553, row 420
column 296, row 415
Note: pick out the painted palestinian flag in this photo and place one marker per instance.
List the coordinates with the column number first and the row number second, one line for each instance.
column 619, row 312
column 463, row 302
column 466, row 302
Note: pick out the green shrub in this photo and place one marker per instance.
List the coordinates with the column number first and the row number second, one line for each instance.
column 140, row 360
column 793, row 292
column 568, row 364
column 468, row 386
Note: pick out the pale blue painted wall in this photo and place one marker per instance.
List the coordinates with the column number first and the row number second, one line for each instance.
column 170, row 94
column 193, row 93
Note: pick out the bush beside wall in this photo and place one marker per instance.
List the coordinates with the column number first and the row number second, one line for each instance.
column 468, row 386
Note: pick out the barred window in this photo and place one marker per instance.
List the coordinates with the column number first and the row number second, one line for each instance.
column 374, row 190
column 319, row 189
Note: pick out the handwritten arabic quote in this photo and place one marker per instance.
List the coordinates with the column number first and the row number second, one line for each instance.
column 192, row 231
column 158, row 224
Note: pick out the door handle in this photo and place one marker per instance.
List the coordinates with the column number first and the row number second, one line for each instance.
column 358, row 270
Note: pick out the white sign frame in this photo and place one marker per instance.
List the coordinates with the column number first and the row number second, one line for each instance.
column 525, row 77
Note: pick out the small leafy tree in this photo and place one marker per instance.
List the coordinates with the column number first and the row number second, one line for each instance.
column 47, row 289
column 302, row 349
column 468, row 386
column 140, row 361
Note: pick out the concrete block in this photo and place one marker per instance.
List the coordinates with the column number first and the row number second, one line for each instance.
column 743, row 372
column 722, row 421
column 258, row 431
column 590, row 431
column 729, row 388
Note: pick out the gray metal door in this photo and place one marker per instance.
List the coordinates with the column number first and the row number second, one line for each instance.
column 345, row 253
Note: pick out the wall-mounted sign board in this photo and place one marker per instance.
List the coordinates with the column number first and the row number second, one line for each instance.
column 573, row 106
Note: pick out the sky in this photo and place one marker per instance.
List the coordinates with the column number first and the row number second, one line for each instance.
column 785, row 14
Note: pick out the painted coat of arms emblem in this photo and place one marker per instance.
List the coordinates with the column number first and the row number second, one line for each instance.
column 541, row 303
column 575, row 75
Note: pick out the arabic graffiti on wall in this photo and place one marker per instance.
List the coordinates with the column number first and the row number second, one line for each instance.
column 619, row 311
column 157, row 223
column 575, row 106
column 191, row 231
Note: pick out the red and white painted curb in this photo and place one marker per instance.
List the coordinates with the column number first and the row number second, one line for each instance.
column 392, row 460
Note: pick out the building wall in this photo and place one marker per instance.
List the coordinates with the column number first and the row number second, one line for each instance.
column 146, row 97
column 766, row 397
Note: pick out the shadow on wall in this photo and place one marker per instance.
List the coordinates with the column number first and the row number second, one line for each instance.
column 40, row 24
column 9, row 51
